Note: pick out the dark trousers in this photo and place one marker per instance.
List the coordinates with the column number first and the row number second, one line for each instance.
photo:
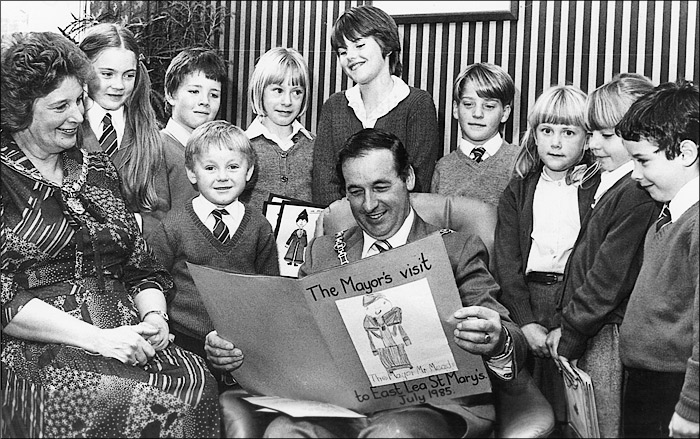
column 649, row 401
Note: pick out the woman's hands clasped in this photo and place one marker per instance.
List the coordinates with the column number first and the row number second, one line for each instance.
column 160, row 340
column 128, row 344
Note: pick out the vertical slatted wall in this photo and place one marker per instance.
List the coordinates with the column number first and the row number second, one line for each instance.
column 573, row 42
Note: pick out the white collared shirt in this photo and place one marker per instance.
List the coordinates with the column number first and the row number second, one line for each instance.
column 178, row 131
column 609, row 178
column 203, row 208
column 686, row 197
column 95, row 115
column 400, row 238
column 491, row 146
column 398, row 93
column 257, row 128
column 555, row 225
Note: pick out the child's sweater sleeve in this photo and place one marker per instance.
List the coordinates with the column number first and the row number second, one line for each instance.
column 266, row 261
column 687, row 406
column 509, row 270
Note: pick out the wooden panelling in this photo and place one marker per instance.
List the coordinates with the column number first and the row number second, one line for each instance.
column 572, row 42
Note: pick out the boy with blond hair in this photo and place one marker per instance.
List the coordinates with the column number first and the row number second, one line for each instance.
column 213, row 228
column 482, row 164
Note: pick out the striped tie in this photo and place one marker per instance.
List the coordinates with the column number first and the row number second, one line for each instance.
column 108, row 141
column 477, row 153
column 664, row 218
column 382, row 245
column 220, row 230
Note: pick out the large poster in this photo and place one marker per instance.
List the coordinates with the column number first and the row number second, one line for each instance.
column 370, row 335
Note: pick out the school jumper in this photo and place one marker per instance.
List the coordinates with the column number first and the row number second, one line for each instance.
column 458, row 174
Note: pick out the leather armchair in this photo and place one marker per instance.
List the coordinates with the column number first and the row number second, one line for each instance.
column 521, row 409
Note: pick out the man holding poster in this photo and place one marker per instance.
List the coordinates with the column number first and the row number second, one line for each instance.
column 374, row 169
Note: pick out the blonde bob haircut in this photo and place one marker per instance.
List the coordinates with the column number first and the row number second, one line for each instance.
column 607, row 104
column 277, row 66
column 559, row 105
column 218, row 134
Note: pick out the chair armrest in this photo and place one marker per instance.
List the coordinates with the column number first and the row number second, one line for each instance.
column 238, row 417
column 521, row 409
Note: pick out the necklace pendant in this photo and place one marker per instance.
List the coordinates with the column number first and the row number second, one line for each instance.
column 75, row 205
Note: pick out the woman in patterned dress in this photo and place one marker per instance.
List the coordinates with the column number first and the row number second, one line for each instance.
column 85, row 338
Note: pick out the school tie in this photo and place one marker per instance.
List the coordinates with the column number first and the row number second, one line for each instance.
column 477, row 154
column 381, row 245
column 220, row 230
column 108, row 140
column 664, row 218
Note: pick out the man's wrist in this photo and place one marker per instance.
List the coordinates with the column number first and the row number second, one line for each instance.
column 506, row 342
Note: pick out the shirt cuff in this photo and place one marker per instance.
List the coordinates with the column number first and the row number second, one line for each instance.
column 502, row 365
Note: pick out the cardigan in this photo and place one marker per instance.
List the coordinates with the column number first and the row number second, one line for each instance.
column 413, row 121
column 513, row 240
column 457, row 174
column 284, row 173
column 181, row 237
column 604, row 265
column 660, row 329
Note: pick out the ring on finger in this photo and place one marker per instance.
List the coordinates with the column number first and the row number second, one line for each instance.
column 487, row 338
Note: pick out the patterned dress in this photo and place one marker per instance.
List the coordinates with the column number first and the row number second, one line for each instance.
column 53, row 238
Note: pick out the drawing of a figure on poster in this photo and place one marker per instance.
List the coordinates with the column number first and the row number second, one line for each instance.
column 383, row 323
column 297, row 241
column 397, row 333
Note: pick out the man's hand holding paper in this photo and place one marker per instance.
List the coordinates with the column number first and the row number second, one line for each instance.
column 479, row 331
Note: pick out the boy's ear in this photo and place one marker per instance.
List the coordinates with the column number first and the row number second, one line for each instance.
column 689, row 152
column 506, row 113
column 249, row 174
column 191, row 176
column 455, row 110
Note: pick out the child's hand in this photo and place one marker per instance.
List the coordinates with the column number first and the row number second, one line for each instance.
column 553, row 342
column 681, row 427
column 221, row 353
column 536, row 336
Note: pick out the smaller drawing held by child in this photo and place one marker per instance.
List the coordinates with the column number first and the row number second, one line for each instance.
column 383, row 322
column 297, row 242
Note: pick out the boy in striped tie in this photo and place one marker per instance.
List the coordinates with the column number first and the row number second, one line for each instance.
column 214, row 229
column 482, row 164
column 659, row 334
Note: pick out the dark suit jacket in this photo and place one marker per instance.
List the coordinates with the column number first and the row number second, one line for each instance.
column 468, row 258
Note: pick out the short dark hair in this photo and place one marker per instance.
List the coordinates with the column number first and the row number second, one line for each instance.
column 369, row 21
column 33, row 65
column 667, row 115
column 373, row 139
column 195, row 59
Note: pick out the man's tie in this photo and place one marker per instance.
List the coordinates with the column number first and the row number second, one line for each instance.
column 108, row 140
column 477, row 153
column 382, row 245
column 664, row 218
column 220, row 230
